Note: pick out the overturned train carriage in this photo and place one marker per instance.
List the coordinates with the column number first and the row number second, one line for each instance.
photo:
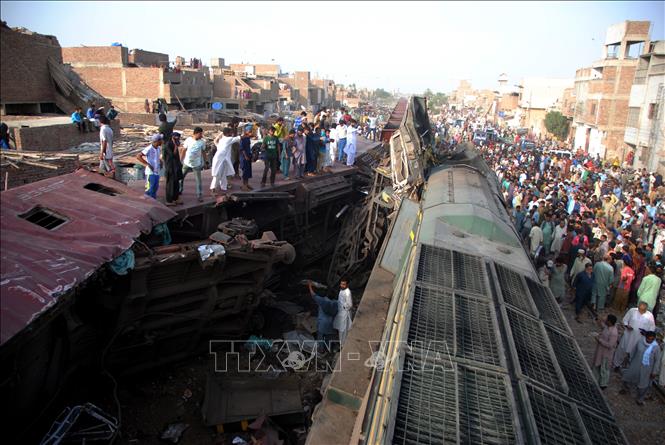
column 484, row 353
column 65, row 309
column 471, row 347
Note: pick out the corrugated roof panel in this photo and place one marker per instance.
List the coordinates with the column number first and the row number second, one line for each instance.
column 39, row 265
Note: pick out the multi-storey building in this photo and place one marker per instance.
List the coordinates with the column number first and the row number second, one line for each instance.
column 108, row 70
column 645, row 124
column 602, row 91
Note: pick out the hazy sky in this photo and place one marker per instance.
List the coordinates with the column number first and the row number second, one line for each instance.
column 407, row 46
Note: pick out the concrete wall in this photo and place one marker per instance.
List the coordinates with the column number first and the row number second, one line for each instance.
column 534, row 119
column 56, row 137
column 221, row 87
column 542, row 92
column 106, row 56
column 646, row 134
column 27, row 174
column 188, row 85
column 24, row 74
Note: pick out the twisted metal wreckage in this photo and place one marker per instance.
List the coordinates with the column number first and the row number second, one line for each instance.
column 94, row 275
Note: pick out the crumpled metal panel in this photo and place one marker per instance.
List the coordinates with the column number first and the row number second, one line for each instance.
column 40, row 265
column 407, row 145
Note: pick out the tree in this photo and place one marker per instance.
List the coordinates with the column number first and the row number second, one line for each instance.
column 380, row 93
column 435, row 100
column 557, row 124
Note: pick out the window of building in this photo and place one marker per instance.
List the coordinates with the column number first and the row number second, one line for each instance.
column 44, row 217
column 592, row 110
column 653, row 110
column 613, row 51
column 634, row 49
column 102, row 189
column 633, row 117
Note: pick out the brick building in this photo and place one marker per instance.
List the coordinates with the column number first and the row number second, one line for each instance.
column 143, row 58
column 17, row 170
column 645, row 124
column 538, row 96
column 462, row 94
column 107, row 69
column 25, row 81
column 602, row 91
column 567, row 109
column 506, row 99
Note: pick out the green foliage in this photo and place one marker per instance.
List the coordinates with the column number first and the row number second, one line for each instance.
column 380, row 93
column 557, row 124
column 435, row 100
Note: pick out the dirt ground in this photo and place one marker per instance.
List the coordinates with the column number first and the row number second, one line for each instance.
column 641, row 424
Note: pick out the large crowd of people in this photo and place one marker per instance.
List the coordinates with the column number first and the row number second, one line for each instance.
column 595, row 231
column 295, row 150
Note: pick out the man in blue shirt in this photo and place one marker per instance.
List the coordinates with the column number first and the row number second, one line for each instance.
column 324, row 319
column 617, row 191
column 300, row 120
column 90, row 112
column 583, row 285
column 77, row 119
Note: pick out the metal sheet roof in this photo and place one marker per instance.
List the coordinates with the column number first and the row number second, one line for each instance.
column 40, row 264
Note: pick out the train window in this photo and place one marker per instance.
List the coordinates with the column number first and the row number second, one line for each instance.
column 95, row 187
column 45, row 218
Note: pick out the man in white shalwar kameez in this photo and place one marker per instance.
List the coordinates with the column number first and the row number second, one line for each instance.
column 536, row 237
column 342, row 320
column 557, row 238
column 351, row 140
column 635, row 319
column 221, row 162
column 644, row 366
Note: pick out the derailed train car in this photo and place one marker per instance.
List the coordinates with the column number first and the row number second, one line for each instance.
column 470, row 347
column 87, row 282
